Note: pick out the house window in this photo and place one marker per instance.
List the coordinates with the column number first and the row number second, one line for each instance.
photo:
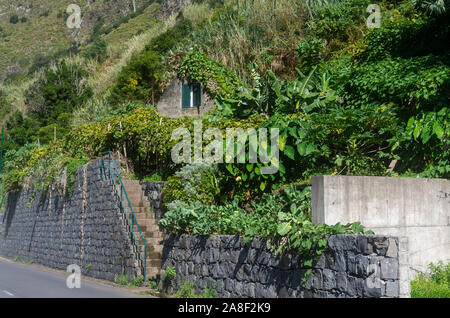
column 191, row 95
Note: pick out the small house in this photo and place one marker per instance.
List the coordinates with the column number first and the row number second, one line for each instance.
column 182, row 98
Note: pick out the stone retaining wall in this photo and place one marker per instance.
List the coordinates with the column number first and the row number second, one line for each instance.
column 352, row 266
column 55, row 231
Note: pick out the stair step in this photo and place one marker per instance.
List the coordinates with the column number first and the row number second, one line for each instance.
column 154, row 241
column 128, row 182
column 155, row 234
column 135, row 196
column 148, row 235
column 131, row 182
column 137, row 204
column 154, row 263
column 154, row 255
column 151, row 225
column 140, row 215
column 139, row 209
column 146, row 216
column 153, row 273
column 157, row 248
column 135, row 191
column 151, row 248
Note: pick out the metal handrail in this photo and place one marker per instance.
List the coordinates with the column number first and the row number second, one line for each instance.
column 114, row 173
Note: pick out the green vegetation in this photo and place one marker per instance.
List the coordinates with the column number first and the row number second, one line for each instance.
column 283, row 218
column 97, row 50
column 14, row 19
column 189, row 290
column 124, row 280
column 434, row 285
column 43, row 30
column 141, row 79
column 215, row 77
column 170, row 274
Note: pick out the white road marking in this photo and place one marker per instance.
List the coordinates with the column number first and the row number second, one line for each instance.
column 8, row 293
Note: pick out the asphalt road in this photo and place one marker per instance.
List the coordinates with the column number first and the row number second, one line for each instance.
column 31, row 281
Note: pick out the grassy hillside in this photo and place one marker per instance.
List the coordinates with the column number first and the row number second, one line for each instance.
column 41, row 28
column 124, row 37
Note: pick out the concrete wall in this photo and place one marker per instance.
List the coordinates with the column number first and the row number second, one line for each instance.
column 352, row 266
column 418, row 209
column 55, row 231
column 170, row 103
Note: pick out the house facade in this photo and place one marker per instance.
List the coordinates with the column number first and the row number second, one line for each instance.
column 182, row 98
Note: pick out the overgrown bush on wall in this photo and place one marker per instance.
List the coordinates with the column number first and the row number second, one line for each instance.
column 217, row 79
column 20, row 130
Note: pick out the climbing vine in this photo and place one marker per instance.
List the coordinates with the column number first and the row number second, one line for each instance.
column 215, row 77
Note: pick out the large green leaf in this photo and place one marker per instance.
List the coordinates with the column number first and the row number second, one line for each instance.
column 417, row 130
column 437, row 130
column 290, row 152
column 283, row 228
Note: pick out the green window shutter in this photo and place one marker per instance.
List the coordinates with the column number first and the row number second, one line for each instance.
column 186, row 96
column 197, row 95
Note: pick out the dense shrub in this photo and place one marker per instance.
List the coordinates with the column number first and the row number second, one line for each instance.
column 217, row 79
column 39, row 61
column 243, row 36
column 5, row 104
column 14, row 19
column 97, row 51
column 433, row 285
column 433, row 7
column 20, row 131
column 172, row 37
column 197, row 182
column 141, row 79
column 14, row 163
column 309, row 50
column 143, row 132
column 411, row 83
column 340, row 21
column 407, row 37
column 60, row 90
column 50, row 102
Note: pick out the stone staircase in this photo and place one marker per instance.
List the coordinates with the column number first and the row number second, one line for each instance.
column 148, row 224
